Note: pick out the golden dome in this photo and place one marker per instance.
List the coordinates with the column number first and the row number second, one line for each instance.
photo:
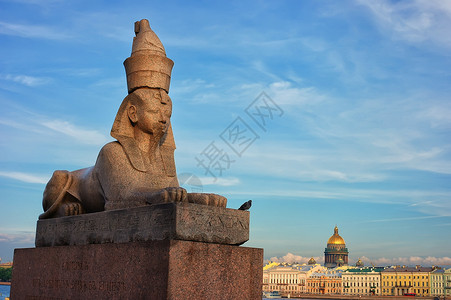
column 312, row 261
column 336, row 239
column 359, row 263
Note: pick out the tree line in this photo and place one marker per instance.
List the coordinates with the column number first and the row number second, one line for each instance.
column 6, row 274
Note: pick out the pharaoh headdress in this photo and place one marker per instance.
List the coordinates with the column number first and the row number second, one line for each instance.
column 147, row 67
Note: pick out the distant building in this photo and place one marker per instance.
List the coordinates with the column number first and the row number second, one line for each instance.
column 6, row 265
column 288, row 278
column 447, row 282
column 437, row 283
column 397, row 281
column 336, row 253
column 337, row 277
column 327, row 283
column 362, row 281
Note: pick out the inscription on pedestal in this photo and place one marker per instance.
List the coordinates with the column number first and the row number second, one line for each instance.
column 65, row 283
column 167, row 269
column 181, row 221
column 79, row 285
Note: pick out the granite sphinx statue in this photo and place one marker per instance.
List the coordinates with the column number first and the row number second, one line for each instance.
column 138, row 168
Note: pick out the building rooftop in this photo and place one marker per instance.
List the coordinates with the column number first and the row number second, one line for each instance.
column 270, row 265
column 408, row 269
column 330, row 275
column 365, row 270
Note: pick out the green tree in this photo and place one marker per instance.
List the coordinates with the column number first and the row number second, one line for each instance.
column 6, row 274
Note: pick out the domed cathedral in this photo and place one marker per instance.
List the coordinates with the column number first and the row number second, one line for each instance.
column 336, row 253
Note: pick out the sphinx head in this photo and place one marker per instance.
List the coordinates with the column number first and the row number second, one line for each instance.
column 149, row 111
column 145, row 110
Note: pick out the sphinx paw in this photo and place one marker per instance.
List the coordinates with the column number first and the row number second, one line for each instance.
column 207, row 199
column 175, row 194
column 72, row 209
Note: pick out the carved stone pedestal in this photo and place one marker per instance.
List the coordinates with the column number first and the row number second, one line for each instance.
column 168, row 269
column 172, row 221
column 164, row 251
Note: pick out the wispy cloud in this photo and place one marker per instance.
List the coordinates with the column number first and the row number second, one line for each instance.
column 359, row 160
column 31, row 121
column 36, row 2
column 439, row 207
column 263, row 69
column 78, row 72
column 32, row 31
column 382, row 261
column 83, row 135
column 437, row 116
column 188, row 86
column 26, row 80
column 293, row 258
column 378, row 134
column 402, row 219
column 221, row 181
column 24, row 237
column 408, row 261
column 14, row 123
column 285, row 94
column 414, row 21
column 25, row 177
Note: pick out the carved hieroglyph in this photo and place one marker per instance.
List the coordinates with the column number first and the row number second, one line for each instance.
column 138, row 168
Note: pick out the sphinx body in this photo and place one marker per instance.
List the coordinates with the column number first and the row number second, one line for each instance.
column 138, row 168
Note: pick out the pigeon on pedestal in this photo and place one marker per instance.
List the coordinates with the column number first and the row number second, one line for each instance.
column 246, row 205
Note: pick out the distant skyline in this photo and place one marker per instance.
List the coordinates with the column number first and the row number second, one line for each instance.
column 354, row 127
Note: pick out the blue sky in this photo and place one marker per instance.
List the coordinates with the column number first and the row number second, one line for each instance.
column 359, row 136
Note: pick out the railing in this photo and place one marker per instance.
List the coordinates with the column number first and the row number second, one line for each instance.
column 335, row 250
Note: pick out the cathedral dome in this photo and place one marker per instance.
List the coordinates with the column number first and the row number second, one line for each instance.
column 336, row 253
column 312, row 261
column 359, row 263
column 336, row 239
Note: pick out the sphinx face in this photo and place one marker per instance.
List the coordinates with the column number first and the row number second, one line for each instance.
column 154, row 112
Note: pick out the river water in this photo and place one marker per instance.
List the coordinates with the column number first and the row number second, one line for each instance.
column 4, row 291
